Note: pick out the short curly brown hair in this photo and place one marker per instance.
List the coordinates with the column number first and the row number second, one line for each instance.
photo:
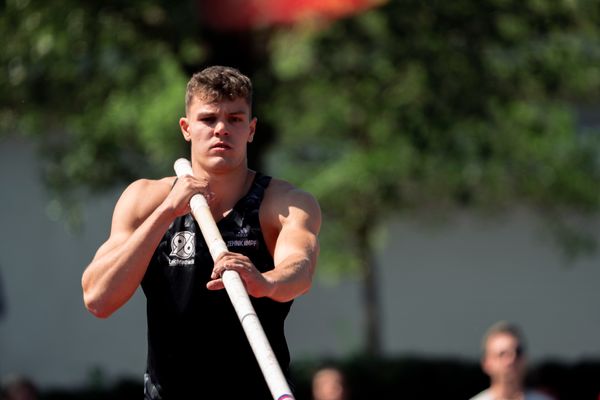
column 218, row 83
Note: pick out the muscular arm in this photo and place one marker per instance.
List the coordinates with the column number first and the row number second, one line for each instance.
column 141, row 217
column 296, row 248
column 290, row 220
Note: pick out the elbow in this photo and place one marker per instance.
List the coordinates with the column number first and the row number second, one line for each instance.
column 97, row 310
column 94, row 303
column 293, row 294
column 308, row 278
column 96, row 307
column 306, row 283
column 303, row 290
column 307, row 287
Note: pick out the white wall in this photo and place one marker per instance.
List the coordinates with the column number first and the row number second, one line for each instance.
column 46, row 332
column 440, row 289
column 450, row 285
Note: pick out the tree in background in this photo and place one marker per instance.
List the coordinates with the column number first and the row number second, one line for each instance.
column 414, row 107
column 425, row 107
column 99, row 85
column 96, row 85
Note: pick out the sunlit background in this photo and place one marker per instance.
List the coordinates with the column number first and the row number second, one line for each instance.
column 454, row 148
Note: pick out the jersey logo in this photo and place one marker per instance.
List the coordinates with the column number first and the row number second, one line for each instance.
column 183, row 245
column 243, row 232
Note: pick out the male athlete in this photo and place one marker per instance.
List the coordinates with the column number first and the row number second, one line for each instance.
column 197, row 348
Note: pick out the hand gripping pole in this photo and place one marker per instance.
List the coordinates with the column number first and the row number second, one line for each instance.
column 237, row 294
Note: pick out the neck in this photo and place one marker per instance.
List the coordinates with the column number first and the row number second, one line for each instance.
column 507, row 391
column 226, row 188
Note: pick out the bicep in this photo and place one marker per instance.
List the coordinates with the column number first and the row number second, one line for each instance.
column 299, row 229
column 125, row 219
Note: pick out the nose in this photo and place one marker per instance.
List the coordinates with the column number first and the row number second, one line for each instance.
column 512, row 357
column 221, row 128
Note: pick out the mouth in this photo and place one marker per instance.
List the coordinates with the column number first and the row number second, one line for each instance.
column 221, row 146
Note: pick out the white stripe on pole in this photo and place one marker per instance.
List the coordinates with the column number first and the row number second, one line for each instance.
column 237, row 294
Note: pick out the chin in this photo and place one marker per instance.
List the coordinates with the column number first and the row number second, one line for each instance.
column 512, row 376
column 221, row 167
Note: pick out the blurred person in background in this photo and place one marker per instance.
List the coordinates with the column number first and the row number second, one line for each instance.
column 329, row 383
column 504, row 361
column 17, row 387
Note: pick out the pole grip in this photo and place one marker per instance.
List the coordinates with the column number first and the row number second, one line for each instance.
column 237, row 293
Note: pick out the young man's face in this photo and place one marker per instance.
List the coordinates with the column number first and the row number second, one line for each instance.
column 504, row 359
column 219, row 133
column 328, row 384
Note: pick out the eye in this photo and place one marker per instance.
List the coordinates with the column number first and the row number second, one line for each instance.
column 235, row 119
column 208, row 120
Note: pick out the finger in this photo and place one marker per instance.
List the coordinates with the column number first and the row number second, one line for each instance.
column 220, row 268
column 216, row 284
column 216, row 273
column 223, row 256
column 193, row 185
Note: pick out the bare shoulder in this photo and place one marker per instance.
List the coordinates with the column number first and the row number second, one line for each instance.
column 284, row 200
column 141, row 198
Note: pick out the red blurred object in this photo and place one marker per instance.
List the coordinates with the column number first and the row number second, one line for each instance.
column 240, row 15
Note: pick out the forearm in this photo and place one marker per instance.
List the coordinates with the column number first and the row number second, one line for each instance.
column 290, row 278
column 114, row 275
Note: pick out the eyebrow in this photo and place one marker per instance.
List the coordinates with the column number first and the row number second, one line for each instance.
column 237, row 112
column 210, row 113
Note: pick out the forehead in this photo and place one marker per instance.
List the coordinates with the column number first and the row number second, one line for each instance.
column 199, row 105
column 328, row 375
column 501, row 341
column 328, row 372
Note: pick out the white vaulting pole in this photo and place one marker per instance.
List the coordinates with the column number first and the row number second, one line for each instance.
column 237, row 294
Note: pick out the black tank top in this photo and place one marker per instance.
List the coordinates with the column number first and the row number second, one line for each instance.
column 197, row 348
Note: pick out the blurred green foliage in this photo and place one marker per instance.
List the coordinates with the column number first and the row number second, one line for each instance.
column 98, row 85
column 414, row 105
column 424, row 107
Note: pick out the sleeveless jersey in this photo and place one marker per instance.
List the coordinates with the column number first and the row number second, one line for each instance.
column 197, row 348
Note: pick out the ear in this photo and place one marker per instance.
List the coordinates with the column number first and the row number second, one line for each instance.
column 252, row 127
column 484, row 365
column 185, row 126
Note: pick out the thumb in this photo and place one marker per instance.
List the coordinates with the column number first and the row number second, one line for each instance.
column 215, row 284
